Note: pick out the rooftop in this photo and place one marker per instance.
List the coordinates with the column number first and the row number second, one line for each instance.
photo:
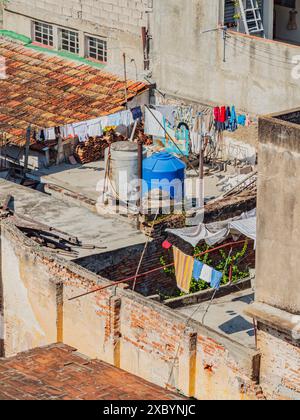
column 226, row 316
column 48, row 91
column 89, row 227
column 57, row 372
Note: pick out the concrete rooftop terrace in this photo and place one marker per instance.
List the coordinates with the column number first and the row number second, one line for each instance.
column 226, row 316
column 89, row 227
column 57, row 372
column 83, row 178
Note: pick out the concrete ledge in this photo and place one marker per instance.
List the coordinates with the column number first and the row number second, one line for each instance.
column 276, row 318
column 77, row 199
column 206, row 295
column 70, row 197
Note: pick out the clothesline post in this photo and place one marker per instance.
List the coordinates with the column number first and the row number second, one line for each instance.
column 27, row 147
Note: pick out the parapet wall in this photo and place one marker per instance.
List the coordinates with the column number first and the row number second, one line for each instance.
column 116, row 325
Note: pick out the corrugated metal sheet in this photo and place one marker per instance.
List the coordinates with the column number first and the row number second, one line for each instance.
column 48, row 91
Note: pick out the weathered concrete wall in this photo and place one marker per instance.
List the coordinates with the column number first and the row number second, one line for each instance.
column 280, row 368
column 278, row 250
column 277, row 305
column 29, row 298
column 117, row 326
column 256, row 77
column 118, row 21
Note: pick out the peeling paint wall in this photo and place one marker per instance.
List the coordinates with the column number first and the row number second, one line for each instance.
column 29, row 300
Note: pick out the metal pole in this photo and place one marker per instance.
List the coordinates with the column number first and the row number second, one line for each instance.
column 201, row 162
column 224, row 39
column 125, row 78
column 140, row 172
column 28, row 137
column 155, row 270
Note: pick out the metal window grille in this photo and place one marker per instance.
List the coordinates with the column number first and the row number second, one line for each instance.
column 69, row 41
column 97, row 49
column 43, row 33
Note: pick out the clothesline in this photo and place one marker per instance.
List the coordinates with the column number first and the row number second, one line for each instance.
column 134, row 278
column 90, row 128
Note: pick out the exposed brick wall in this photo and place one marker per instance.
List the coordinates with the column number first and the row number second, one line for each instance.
column 127, row 330
column 165, row 349
column 280, row 365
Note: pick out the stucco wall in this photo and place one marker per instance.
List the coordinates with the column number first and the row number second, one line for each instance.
column 29, row 299
column 278, row 251
column 188, row 63
column 117, row 326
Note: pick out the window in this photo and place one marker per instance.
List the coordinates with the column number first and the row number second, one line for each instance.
column 69, row 41
column 291, row 4
column 97, row 49
column 43, row 33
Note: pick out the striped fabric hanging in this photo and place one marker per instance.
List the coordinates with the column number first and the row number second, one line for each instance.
column 184, row 266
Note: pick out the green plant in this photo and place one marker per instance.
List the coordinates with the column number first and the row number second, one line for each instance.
column 226, row 262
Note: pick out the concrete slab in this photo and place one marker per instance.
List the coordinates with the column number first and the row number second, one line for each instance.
column 90, row 228
column 226, row 315
column 83, row 179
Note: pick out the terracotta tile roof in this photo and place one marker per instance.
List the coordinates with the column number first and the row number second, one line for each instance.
column 58, row 373
column 49, row 91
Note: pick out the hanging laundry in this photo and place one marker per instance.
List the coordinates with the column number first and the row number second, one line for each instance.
column 198, row 266
column 233, row 120
column 242, row 120
column 114, row 120
column 68, row 131
column 196, row 136
column 94, row 128
column 206, row 273
column 219, row 125
column 40, row 136
column 248, row 121
column 208, row 122
column 183, row 269
column 184, row 114
column 228, row 116
column 50, row 134
column 168, row 111
column 81, row 131
column 203, row 272
column 137, row 113
column 216, row 279
column 154, row 123
column 126, row 118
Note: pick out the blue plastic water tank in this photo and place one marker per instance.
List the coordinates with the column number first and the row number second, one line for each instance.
column 164, row 172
